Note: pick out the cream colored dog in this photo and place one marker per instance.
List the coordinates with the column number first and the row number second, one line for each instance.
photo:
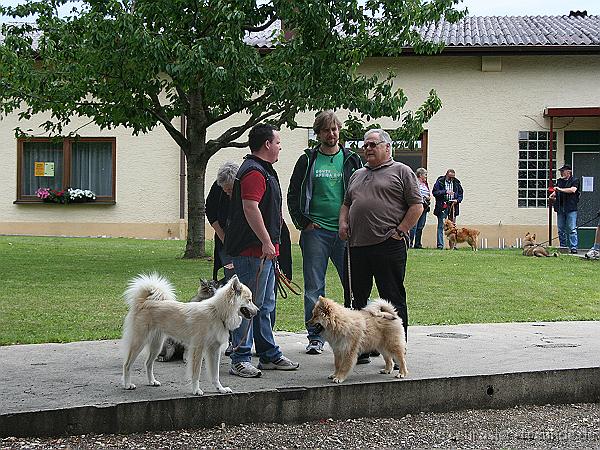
column 203, row 327
column 376, row 327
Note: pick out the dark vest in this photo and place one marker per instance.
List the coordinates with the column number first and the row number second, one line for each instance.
column 239, row 235
column 566, row 202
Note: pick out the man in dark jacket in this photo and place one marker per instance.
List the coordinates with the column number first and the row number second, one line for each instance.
column 448, row 193
column 252, row 239
column 315, row 194
column 565, row 197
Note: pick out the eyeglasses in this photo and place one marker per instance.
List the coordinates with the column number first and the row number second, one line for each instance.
column 372, row 144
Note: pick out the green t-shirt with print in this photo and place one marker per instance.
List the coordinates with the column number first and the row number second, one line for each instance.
column 328, row 190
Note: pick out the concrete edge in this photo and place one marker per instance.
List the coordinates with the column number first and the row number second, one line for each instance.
column 300, row 404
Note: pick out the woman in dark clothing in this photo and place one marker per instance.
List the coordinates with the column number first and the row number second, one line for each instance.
column 217, row 208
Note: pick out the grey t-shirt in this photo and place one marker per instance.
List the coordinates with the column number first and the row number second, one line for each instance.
column 378, row 199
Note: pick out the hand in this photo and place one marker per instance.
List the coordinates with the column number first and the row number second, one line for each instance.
column 344, row 232
column 311, row 226
column 268, row 250
column 449, row 192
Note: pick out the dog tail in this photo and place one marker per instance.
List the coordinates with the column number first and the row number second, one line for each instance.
column 148, row 287
column 382, row 308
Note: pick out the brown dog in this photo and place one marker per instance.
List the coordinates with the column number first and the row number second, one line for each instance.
column 530, row 248
column 376, row 327
column 458, row 235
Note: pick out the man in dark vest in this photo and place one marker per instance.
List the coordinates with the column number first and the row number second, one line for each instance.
column 565, row 197
column 252, row 239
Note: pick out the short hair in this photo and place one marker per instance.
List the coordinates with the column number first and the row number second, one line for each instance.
column 325, row 119
column 259, row 134
column 383, row 135
column 450, row 170
column 226, row 173
column 421, row 171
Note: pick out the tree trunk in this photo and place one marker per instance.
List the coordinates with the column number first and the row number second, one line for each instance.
column 196, row 171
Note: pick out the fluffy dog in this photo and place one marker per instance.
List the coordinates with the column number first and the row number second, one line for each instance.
column 376, row 327
column 203, row 327
column 172, row 349
column 530, row 248
column 457, row 235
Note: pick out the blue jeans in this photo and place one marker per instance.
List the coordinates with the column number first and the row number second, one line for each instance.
column 261, row 332
column 567, row 228
column 417, row 231
column 440, row 228
column 318, row 246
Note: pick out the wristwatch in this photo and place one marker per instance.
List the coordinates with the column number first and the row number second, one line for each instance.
column 402, row 234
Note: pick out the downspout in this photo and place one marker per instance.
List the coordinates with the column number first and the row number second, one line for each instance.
column 182, row 178
column 550, row 180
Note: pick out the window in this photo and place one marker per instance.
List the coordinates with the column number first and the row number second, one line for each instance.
column 534, row 163
column 83, row 163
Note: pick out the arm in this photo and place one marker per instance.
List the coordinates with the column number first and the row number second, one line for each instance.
column 439, row 190
column 343, row 222
column 569, row 190
column 255, row 220
column 410, row 218
column 294, row 193
column 459, row 193
column 218, row 230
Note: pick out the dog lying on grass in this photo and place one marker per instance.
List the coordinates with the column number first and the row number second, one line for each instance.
column 172, row 349
column 203, row 327
column 530, row 248
column 377, row 327
column 458, row 235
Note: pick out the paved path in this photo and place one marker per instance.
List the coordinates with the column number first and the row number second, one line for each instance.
column 50, row 377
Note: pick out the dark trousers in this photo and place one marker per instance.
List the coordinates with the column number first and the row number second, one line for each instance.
column 386, row 263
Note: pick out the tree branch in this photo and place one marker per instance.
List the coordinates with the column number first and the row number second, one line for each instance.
column 176, row 134
column 244, row 106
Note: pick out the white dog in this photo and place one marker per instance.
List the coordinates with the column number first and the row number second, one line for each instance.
column 203, row 327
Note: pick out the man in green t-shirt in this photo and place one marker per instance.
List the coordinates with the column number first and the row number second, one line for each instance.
column 315, row 194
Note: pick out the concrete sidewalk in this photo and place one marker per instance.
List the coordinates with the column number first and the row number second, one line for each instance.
column 53, row 389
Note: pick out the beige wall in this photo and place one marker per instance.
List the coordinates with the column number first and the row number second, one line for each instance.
column 475, row 133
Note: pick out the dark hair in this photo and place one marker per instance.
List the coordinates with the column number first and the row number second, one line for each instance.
column 260, row 133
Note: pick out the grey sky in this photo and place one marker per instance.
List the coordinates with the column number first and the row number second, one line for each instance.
column 495, row 7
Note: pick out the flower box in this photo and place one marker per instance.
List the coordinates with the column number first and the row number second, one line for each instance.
column 65, row 196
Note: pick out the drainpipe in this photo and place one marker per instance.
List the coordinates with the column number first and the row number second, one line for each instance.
column 550, row 180
column 182, row 177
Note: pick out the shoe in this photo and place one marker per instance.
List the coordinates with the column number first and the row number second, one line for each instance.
column 363, row 359
column 282, row 363
column 592, row 254
column 418, row 246
column 229, row 349
column 374, row 354
column 245, row 370
column 574, row 251
column 440, row 248
column 314, row 347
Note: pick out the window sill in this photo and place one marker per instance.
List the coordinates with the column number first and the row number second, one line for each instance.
column 35, row 202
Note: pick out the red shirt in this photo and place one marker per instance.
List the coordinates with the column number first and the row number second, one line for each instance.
column 253, row 187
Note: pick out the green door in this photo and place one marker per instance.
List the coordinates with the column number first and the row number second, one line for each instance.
column 582, row 151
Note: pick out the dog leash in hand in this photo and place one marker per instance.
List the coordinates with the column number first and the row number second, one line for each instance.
column 258, row 273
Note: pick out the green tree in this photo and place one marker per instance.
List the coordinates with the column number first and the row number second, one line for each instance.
column 144, row 63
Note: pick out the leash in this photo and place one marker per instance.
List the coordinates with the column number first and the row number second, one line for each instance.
column 282, row 282
column 258, row 273
column 349, row 276
column 574, row 229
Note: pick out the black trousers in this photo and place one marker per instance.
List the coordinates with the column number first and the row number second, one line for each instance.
column 386, row 263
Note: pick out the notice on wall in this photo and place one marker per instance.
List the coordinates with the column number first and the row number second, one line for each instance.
column 587, row 184
column 43, row 169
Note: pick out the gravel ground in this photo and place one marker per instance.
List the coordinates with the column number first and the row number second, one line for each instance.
column 551, row 426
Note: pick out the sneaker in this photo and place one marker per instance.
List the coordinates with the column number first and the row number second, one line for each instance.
column 574, row 251
column 363, row 359
column 314, row 347
column 282, row 363
column 245, row 370
column 375, row 353
column 229, row 349
column 592, row 254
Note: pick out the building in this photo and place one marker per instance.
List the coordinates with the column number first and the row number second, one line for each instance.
column 507, row 84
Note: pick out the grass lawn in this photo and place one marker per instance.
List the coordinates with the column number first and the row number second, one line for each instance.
column 70, row 289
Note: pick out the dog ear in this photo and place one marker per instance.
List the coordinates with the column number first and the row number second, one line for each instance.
column 236, row 285
column 533, row 237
